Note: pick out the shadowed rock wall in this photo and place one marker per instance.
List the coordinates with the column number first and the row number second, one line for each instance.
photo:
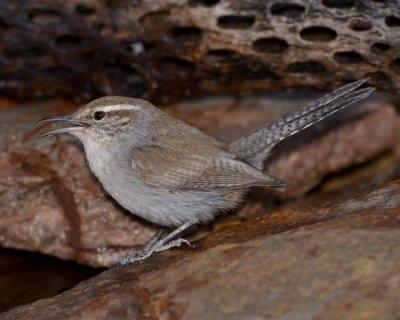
column 166, row 49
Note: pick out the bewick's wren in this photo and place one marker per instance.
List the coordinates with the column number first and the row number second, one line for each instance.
column 174, row 175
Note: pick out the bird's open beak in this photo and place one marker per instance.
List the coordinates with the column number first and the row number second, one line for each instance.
column 78, row 125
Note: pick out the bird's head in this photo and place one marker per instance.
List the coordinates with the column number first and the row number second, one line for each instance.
column 102, row 119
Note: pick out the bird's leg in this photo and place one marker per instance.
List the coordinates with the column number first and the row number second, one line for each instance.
column 176, row 232
column 154, row 239
column 169, row 241
column 142, row 253
column 157, row 245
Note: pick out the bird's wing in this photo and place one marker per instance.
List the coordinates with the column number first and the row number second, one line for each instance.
column 174, row 171
column 232, row 174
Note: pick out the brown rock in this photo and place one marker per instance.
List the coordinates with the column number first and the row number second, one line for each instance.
column 338, row 260
column 167, row 49
column 51, row 203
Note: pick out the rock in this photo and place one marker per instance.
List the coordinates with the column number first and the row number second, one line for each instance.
column 26, row 277
column 337, row 259
column 51, row 203
column 164, row 50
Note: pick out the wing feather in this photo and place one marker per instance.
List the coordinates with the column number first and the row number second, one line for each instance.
column 173, row 170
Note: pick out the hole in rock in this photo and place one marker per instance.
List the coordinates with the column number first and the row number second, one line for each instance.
column 206, row 3
column 348, row 78
column 187, row 33
column 291, row 10
column 3, row 25
column 341, row 4
column 84, row 10
column 380, row 47
column 221, row 53
column 235, row 22
column 59, row 73
column 318, row 33
column 360, row 25
column 68, row 40
column 132, row 81
column 396, row 63
column 392, row 21
column 177, row 63
column 122, row 4
column 347, row 57
column 237, row 68
column 118, row 70
column 44, row 17
column 271, row 45
column 380, row 79
column 313, row 67
column 24, row 53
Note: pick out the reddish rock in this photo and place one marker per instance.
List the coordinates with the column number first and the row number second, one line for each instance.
column 51, row 203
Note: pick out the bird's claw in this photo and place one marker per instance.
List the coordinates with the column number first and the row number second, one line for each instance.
column 173, row 243
column 147, row 251
column 135, row 256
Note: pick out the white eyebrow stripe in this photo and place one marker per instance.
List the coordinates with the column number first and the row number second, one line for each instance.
column 118, row 107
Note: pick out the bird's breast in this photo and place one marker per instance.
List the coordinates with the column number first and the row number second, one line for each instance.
column 156, row 205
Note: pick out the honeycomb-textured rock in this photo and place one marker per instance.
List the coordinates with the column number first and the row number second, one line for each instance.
column 166, row 49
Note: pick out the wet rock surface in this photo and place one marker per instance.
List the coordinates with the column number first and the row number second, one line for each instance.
column 337, row 258
column 51, row 203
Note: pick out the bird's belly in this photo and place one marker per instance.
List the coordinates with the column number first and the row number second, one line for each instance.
column 169, row 208
column 163, row 207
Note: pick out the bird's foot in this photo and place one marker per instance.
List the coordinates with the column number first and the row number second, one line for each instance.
column 147, row 251
column 135, row 256
column 155, row 244
column 142, row 253
column 161, row 245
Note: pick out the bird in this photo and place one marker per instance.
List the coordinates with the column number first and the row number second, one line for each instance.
column 174, row 175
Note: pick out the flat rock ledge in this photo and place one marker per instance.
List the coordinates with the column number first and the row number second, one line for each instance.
column 332, row 259
column 51, row 203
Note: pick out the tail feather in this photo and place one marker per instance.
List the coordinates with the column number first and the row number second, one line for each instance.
column 257, row 145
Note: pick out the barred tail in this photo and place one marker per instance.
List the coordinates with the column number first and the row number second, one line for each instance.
column 256, row 146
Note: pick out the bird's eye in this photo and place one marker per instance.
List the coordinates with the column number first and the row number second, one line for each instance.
column 98, row 115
